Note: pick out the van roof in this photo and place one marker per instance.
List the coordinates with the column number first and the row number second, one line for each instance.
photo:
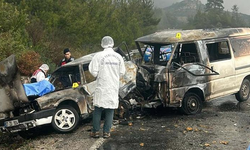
column 173, row 36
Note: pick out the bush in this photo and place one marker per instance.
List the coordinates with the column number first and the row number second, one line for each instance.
column 28, row 62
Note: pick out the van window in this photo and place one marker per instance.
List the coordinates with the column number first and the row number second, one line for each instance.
column 241, row 46
column 218, row 51
column 186, row 53
column 157, row 54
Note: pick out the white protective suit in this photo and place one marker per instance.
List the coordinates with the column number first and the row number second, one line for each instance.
column 108, row 66
column 39, row 75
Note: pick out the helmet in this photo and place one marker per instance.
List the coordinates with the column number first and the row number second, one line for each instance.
column 107, row 42
column 44, row 67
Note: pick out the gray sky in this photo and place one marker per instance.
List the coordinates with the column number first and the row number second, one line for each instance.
column 228, row 4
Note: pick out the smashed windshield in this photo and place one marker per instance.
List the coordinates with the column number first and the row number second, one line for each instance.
column 157, row 54
column 65, row 77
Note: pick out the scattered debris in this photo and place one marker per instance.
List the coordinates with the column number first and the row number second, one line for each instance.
column 142, row 129
column 189, row 129
column 196, row 130
column 224, row 142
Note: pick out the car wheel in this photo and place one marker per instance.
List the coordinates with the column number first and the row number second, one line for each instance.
column 65, row 119
column 244, row 91
column 191, row 104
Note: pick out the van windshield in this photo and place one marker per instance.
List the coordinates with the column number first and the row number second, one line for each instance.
column 157, row 54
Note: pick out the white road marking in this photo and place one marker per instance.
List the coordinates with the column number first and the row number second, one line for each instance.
column 97, row 144
column 100, row 141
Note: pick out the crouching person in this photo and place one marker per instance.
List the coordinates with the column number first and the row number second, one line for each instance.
column 107, row 66
column 40, row 74
column 39, row 85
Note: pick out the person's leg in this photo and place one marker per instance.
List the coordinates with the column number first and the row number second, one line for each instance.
column 109, row 113
column 97, row 119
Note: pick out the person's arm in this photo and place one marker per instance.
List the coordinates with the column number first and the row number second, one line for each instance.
column 40, row 76
column 94, row 66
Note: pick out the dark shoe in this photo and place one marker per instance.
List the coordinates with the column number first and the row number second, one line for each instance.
column 94, row 134
column 106, row 135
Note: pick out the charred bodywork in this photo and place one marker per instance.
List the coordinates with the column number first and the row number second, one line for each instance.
column 183, row 68
column 63, row 108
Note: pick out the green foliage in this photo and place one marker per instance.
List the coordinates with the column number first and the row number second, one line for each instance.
column 10, row 18
column 215, row 17
column 214, row 6
column 13, row 35
column 48, row 26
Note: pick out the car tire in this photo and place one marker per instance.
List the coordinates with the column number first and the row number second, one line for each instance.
column 65, row 119
column 243, row 93
column 191, row 104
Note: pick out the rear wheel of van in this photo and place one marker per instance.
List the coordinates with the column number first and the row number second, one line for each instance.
column 191, row 104
column 65, row 119
column 244, row 91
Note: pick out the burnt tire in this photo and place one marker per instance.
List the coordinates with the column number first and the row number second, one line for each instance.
column 65, row 119
column 191, row 104
column 243, row 93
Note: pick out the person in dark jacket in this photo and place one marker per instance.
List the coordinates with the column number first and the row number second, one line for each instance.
column 67, row 57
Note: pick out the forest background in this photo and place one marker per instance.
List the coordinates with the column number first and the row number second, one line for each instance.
column 37, row 31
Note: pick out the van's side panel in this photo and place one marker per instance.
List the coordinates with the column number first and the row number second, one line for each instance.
column 241, row 48
column 224, row 83
column 182, row 81
column 223, row 63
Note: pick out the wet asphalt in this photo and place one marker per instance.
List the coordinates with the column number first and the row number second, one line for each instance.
column 223, row 124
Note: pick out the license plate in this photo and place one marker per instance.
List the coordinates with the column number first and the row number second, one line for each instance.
column 11, row 123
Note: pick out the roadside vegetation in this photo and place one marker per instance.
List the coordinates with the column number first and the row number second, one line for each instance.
column 37, row 31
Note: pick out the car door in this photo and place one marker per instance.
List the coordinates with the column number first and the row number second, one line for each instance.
column 220, row 58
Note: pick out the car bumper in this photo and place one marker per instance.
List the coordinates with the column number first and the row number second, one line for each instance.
column 25, row 122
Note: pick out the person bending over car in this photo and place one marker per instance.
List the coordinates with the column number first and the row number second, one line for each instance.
column 40, row 74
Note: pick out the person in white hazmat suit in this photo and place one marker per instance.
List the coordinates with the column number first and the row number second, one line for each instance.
column 40, row 74
column 107, row 66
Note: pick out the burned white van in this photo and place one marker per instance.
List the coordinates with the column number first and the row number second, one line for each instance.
column 198, row 66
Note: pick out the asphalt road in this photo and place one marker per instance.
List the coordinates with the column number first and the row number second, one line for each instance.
column 223, row 124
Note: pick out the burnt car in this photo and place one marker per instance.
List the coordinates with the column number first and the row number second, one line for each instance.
column 64, row 107
column 184, row 68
